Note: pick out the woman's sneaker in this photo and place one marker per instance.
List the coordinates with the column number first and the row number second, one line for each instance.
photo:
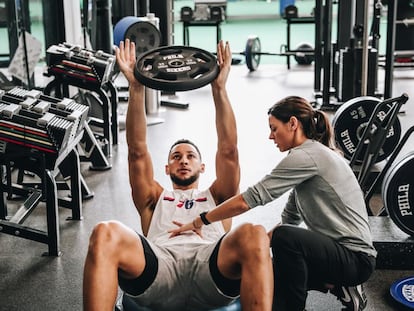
column 353, row 298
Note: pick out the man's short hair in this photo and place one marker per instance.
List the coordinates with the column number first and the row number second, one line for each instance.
column 185, row 141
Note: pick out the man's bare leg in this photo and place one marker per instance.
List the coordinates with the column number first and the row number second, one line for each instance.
column 112, row 246
column 245, row 253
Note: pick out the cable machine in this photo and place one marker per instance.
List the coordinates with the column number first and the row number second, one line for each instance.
column 342, row 68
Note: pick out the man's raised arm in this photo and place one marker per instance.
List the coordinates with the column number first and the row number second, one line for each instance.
column 227, row 182
column 145, row 190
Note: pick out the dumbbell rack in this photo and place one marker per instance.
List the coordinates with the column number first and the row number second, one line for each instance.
column 94, row 152
column 92, row 71
column 39, row 135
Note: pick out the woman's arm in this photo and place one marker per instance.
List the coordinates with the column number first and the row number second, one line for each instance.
column 232, row 207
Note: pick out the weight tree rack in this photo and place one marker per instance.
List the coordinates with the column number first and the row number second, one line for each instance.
column 395, row 249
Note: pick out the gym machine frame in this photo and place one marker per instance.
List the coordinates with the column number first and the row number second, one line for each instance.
column 17, row 24
column 325, row 71
column 291, row 21
column 211, row 23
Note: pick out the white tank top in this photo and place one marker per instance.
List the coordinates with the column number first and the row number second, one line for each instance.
column 183, row 206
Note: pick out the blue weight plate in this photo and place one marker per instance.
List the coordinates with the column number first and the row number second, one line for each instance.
column 402, row 291
column 143, row 33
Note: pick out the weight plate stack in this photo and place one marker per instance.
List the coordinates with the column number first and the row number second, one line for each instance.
column 398, row 193
column 140, row 30
column 176, row 68
column 350, row 121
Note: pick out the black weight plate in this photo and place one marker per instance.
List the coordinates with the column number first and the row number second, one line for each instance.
column 176, row 68
column 304, row 59
column 252, row 53
column 350, row 121
column 398, row 193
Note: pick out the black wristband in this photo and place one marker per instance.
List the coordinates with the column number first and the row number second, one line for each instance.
column 204, row 218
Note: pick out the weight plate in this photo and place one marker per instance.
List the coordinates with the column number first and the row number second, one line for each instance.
column 144, row 34
column 176, row 68
column 398, row 193
column 252, row 53
column 350, row 121
column 402, row 291
column 304, row 59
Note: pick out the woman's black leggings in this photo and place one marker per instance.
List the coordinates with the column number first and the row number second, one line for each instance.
column 304, row 260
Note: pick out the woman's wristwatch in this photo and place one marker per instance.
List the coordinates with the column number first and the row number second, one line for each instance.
column 204, row 218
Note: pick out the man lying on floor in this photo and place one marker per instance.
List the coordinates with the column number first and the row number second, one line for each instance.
column 197, row 270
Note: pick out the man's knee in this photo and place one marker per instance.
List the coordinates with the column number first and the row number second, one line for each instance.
column 105, row 235
column 252, row 239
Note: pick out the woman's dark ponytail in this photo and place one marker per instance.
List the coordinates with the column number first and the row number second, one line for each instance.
column 323, row 129
column 316, row 124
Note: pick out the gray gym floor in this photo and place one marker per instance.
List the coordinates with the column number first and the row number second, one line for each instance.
column 31, row 281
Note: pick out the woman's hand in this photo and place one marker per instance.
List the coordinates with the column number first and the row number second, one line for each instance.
column 182, row 228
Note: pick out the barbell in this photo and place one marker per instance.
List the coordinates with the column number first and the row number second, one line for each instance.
column 304, row 54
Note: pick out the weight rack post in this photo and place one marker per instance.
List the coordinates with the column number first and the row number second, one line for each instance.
column 390, row 47
column 318, row 48
column 327, row 51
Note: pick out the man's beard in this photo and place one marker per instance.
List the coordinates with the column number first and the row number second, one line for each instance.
column 184, row 182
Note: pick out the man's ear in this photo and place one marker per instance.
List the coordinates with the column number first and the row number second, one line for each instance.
column 167, row 170
column 202, row 168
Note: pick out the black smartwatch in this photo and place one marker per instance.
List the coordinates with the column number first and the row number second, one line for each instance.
column 204, row 218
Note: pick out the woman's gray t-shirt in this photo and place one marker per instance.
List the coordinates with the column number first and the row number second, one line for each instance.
column 325, row 195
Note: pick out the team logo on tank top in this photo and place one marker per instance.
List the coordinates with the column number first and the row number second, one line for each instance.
column 186, row 203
